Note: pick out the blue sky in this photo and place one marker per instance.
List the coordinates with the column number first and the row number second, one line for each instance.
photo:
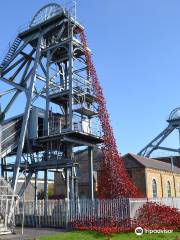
column 136, row 49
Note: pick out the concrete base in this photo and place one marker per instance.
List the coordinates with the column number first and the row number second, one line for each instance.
column 5, row 231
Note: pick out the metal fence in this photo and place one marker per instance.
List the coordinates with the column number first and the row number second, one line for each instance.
column 136, row 203
column 61, row 214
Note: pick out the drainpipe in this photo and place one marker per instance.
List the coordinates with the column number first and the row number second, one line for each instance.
column 162, row 186
column 172, row 164
column 172, row 169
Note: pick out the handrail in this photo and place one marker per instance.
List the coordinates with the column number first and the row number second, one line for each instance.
column 14, row 133
column 8, row 126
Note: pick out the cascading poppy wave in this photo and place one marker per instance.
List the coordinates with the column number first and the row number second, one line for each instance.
column 150, row 216
column 114, row 181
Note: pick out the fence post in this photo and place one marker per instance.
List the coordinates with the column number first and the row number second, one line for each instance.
column 6, row 213
column 129, row 201
column 67, row 209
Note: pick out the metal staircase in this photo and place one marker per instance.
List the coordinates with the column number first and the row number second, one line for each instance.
column 10, row 135
column 7, row 200
column 1, row 221
column 10, row 53
column 10, row 131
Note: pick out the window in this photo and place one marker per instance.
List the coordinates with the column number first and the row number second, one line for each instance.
column 168, row 189
column 154, row 188
column 40, row 127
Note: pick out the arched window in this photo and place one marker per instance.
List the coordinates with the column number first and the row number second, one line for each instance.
column 168, row 189
column 154, row 188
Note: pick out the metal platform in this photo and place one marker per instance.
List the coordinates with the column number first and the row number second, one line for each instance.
column 85, row 111
column 51, row 22
column 42, row 165
column 76, row 137
column 59, row 96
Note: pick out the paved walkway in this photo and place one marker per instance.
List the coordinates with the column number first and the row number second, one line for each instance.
column 30, row 233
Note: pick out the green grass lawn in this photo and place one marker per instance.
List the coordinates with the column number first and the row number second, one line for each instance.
column 86, row 235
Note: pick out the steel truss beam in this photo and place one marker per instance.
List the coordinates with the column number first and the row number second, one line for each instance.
column 26, row 116
column 155, row 144
column 37, row 73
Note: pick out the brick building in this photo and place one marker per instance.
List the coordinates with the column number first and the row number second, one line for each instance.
column 81, row 157
column 154, row 177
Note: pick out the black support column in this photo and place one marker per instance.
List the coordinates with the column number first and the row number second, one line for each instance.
column 91, row 177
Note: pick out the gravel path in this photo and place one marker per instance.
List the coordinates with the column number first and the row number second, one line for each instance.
column 30, row 233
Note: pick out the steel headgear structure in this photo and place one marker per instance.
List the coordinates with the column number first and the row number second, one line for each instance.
column 157, row 143
column 64, row 109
